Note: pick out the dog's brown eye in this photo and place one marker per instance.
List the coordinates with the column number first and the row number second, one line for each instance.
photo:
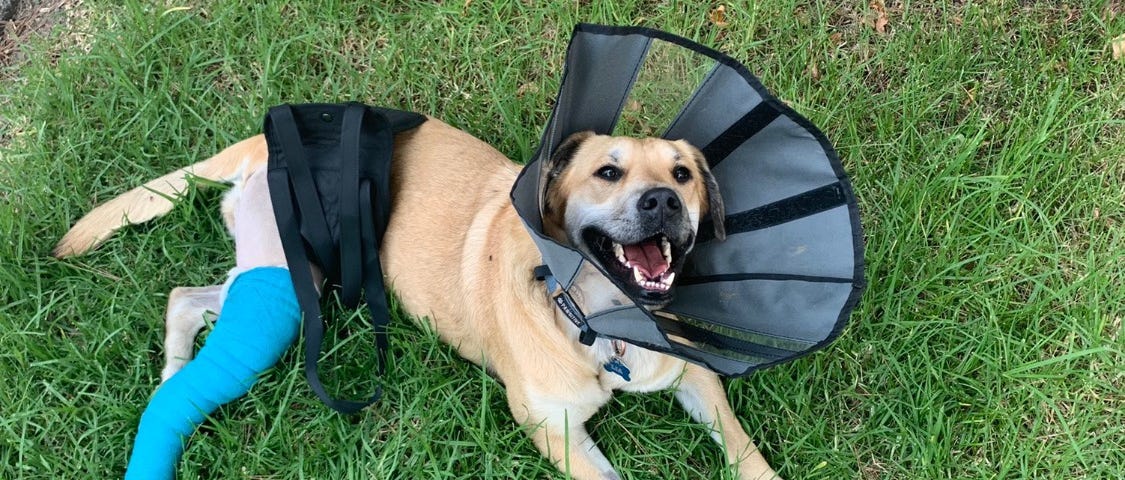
column 609, row 172
column 681, row 174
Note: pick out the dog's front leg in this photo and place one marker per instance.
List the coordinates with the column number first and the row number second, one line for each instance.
column 702, row 395
column 557, row 426
column 186, row 306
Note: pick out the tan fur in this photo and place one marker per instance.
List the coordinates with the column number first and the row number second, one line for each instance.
column 457, row 255
column 157, row 197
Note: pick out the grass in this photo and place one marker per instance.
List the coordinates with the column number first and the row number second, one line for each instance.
column 986, row 141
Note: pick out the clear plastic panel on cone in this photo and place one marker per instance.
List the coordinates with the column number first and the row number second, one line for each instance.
column 665, row 82
column 594, row 292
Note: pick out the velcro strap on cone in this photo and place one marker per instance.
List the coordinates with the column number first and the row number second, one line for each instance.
column 328, row 164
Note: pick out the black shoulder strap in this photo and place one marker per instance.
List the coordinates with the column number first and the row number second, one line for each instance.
column 296, row 200
column 350, row 254
column 313, row 226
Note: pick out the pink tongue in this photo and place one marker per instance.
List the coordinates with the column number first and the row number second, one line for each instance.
column 647, row 258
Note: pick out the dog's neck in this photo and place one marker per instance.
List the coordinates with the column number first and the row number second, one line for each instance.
column 604, row 352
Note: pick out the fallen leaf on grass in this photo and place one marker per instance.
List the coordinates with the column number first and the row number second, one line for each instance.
column 526, row 88
column 718, row 16
column 881, row 24
column 812, row 71
column 1118, row 46
column 881, row 16
column 970, row 97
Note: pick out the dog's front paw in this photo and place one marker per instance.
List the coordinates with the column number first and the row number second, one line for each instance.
column 610, row 475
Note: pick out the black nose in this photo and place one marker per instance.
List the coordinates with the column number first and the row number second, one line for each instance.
column 659, row 204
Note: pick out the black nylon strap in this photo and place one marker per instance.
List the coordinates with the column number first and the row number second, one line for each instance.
column 313, row 225
column 565, row 304
column 373, row 281
column 742, row 277
column 374, row 212
column 734, row 136
column 782, row 211
column 350, row 255
column 300, row 272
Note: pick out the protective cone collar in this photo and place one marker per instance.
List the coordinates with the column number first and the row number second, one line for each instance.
column 790, row 271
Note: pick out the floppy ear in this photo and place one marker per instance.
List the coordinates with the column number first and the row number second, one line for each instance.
column 558, row 163
column 714, row 197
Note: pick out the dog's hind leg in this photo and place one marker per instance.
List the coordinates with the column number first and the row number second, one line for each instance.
column 702, row 395
column 184, row 319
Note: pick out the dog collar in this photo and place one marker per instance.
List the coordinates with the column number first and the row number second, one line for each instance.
column 790, row 271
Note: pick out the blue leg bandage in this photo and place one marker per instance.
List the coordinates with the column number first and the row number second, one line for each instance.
column 259, row 320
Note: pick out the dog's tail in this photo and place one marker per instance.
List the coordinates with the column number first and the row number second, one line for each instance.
column 157, row 197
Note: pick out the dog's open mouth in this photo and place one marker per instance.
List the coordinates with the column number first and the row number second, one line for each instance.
column 649, row 266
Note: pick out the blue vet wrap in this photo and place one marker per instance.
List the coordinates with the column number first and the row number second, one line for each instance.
column 258, row 322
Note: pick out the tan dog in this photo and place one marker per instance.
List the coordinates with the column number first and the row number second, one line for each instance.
column 458, row 255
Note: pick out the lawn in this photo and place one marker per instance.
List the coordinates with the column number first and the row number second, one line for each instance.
column 986, row 142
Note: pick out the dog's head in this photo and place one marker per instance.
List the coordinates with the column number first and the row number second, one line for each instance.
column 632, row 205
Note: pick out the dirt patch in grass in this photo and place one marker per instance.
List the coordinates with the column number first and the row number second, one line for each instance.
column 22, row 22
column 28, row 18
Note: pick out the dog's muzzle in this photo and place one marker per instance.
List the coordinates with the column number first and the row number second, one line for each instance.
column 645, row 254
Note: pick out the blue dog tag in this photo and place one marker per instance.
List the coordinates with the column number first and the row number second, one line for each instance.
column 615, row 366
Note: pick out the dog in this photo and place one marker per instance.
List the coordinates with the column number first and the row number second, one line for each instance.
column 462, row 263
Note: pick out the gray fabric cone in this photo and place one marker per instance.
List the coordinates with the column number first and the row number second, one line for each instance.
column 790, row 271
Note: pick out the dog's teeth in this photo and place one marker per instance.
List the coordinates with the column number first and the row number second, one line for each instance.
column 638, row 276
column 666, row 248
column 655, row 286
column 667, row 281
column 620, row 252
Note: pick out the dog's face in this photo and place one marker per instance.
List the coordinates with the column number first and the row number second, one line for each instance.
column 633, row 205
